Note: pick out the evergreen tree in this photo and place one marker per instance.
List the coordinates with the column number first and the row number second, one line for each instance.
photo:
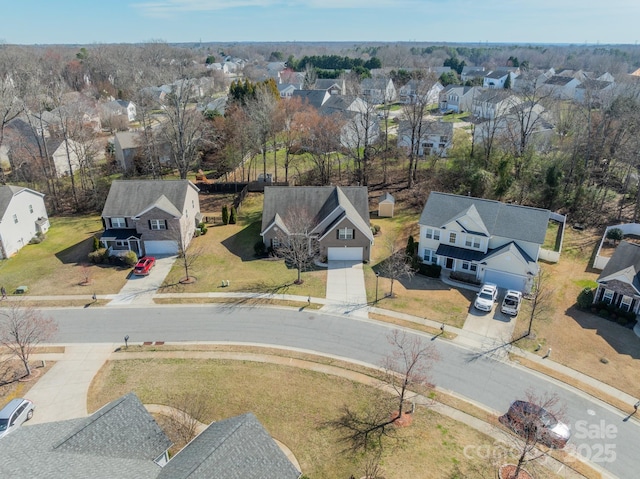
column 225, row 215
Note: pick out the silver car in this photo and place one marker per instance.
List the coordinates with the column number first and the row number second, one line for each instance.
column 14, row 414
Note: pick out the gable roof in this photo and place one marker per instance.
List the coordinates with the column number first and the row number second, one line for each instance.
column 129, row 198
column 128, row 139
column 235, row 448
column 559, row 80
column 119, row 440
column 496, row 75
column 623, row 266
column 386, row 198
column 319, row 202
column 315, row 98
column 499, row 219
column 7, row 192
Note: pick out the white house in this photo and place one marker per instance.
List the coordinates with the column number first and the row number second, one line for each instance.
column 485, row 240
column 22, row 216
column 435, row 137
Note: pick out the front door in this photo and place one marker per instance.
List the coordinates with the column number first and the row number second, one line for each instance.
column 449, row 263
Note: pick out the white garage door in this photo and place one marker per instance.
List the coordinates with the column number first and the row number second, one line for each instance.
column 160, row 247
column 344, row 254
column 505, row 280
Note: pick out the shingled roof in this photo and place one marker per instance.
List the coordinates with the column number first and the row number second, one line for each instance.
column 235, row 448
column 128, row 198
column 623, row 268
column 498, row 219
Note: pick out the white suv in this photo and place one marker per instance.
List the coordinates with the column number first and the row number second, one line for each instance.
column 486, row 297
column 14, row 414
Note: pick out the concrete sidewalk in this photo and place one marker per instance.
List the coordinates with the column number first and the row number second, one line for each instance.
column 62, row 392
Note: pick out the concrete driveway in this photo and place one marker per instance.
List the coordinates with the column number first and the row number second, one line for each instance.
column 345, row 289
column 140, row 289
column 493, row 330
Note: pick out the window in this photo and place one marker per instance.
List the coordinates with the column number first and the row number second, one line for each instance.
column 158, row 224
column 15, row 218
column 30, row 208
column 472, row 242
column 118, row 223
column 433, row 234
column 607, row 297
column 121, row 243
column 345, row 234
column 467, row 266
column 625, row 304
column 452, row 238
column 429, row 256
column 275, row 242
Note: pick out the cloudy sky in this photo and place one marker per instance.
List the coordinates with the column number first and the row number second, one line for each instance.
column 505, row 21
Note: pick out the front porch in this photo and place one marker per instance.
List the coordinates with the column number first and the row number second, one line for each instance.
column 120, row 241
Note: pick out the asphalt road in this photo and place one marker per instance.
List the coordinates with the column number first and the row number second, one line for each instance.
column 600, row 433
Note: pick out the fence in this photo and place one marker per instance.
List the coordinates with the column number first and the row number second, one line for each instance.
column 627, row 229
column 553, row 256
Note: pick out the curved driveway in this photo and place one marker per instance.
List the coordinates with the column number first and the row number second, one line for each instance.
column 599, row 432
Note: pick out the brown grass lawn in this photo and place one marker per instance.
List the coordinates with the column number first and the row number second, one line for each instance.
column 226, row 252
column 55, row 266
column 579, row 339
column 286, row 401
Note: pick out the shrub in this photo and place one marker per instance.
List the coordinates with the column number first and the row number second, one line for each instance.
column 375, row 229
column 585, row 298
column 96, row 243
column 430, row 270
column 98, row 256
column 260, row 248
column 225, row 215
column 233, row 215
column 130, row 258
column 202, row 226
column 615, row 234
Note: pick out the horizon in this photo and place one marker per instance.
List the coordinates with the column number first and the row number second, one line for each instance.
column 546, row 22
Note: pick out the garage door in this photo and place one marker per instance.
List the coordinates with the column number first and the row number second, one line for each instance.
column 505, row 280
column 160, row 247
column 344, row 254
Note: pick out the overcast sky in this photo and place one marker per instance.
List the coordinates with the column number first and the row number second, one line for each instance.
column 505, row 21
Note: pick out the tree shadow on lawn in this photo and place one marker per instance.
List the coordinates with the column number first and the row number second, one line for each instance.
column 620, row 338
column 77, row 253
column 241, row 244
column 423, row 283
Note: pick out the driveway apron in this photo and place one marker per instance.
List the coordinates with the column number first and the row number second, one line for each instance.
column 346, row 293
column 140, row 289
column 492, row 330
column 62, row 392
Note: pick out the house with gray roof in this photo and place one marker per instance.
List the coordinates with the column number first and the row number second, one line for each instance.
column 234, row 448
column 619, row 281
column 122, row 440
column 436, row 137
column 560, row 86
column 497, row 78
column 337, row 215
column 457, row 98
column 23, row 215
column 335, row 86
column 378, row 90
column 129, row 150
column 150, row 217
column 485, row 240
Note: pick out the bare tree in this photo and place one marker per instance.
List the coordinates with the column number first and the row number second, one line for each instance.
column 406, row 371
column 188, row 253
column 261, row 111
column 187, row 412
column 396, row 266
column 22, row 329
column 10, row 105
column 322, row 140
column 297, row 243
column 541, row 296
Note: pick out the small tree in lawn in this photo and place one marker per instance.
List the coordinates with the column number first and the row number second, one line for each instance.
column 615, row 234
column 225, row 215
column 297, row 245
column 233, row 216
column 406, row 371
column 188, row 254
column 541, row 296
column 24, row 328
column 396, row 266
column 188, row 409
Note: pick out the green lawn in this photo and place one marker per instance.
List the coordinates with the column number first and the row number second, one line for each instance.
column 285, row 400
column 226, row 252
column 55, row 266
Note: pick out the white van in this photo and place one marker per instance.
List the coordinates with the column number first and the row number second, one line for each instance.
column 14, row 414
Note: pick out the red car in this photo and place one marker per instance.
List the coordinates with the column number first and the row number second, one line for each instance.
column 144, row 265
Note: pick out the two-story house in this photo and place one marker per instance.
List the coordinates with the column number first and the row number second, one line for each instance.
column 487, row 240
column 458, row 98
column 436, row 137
column 22, row 216
column 150, row 217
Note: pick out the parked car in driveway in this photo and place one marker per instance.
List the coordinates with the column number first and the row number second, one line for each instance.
column 144, row 265
column 486, row 297
column 535, row 423
column 511, row 302
column 14, row 414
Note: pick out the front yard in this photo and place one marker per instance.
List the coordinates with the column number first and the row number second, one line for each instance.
column 59, row 265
